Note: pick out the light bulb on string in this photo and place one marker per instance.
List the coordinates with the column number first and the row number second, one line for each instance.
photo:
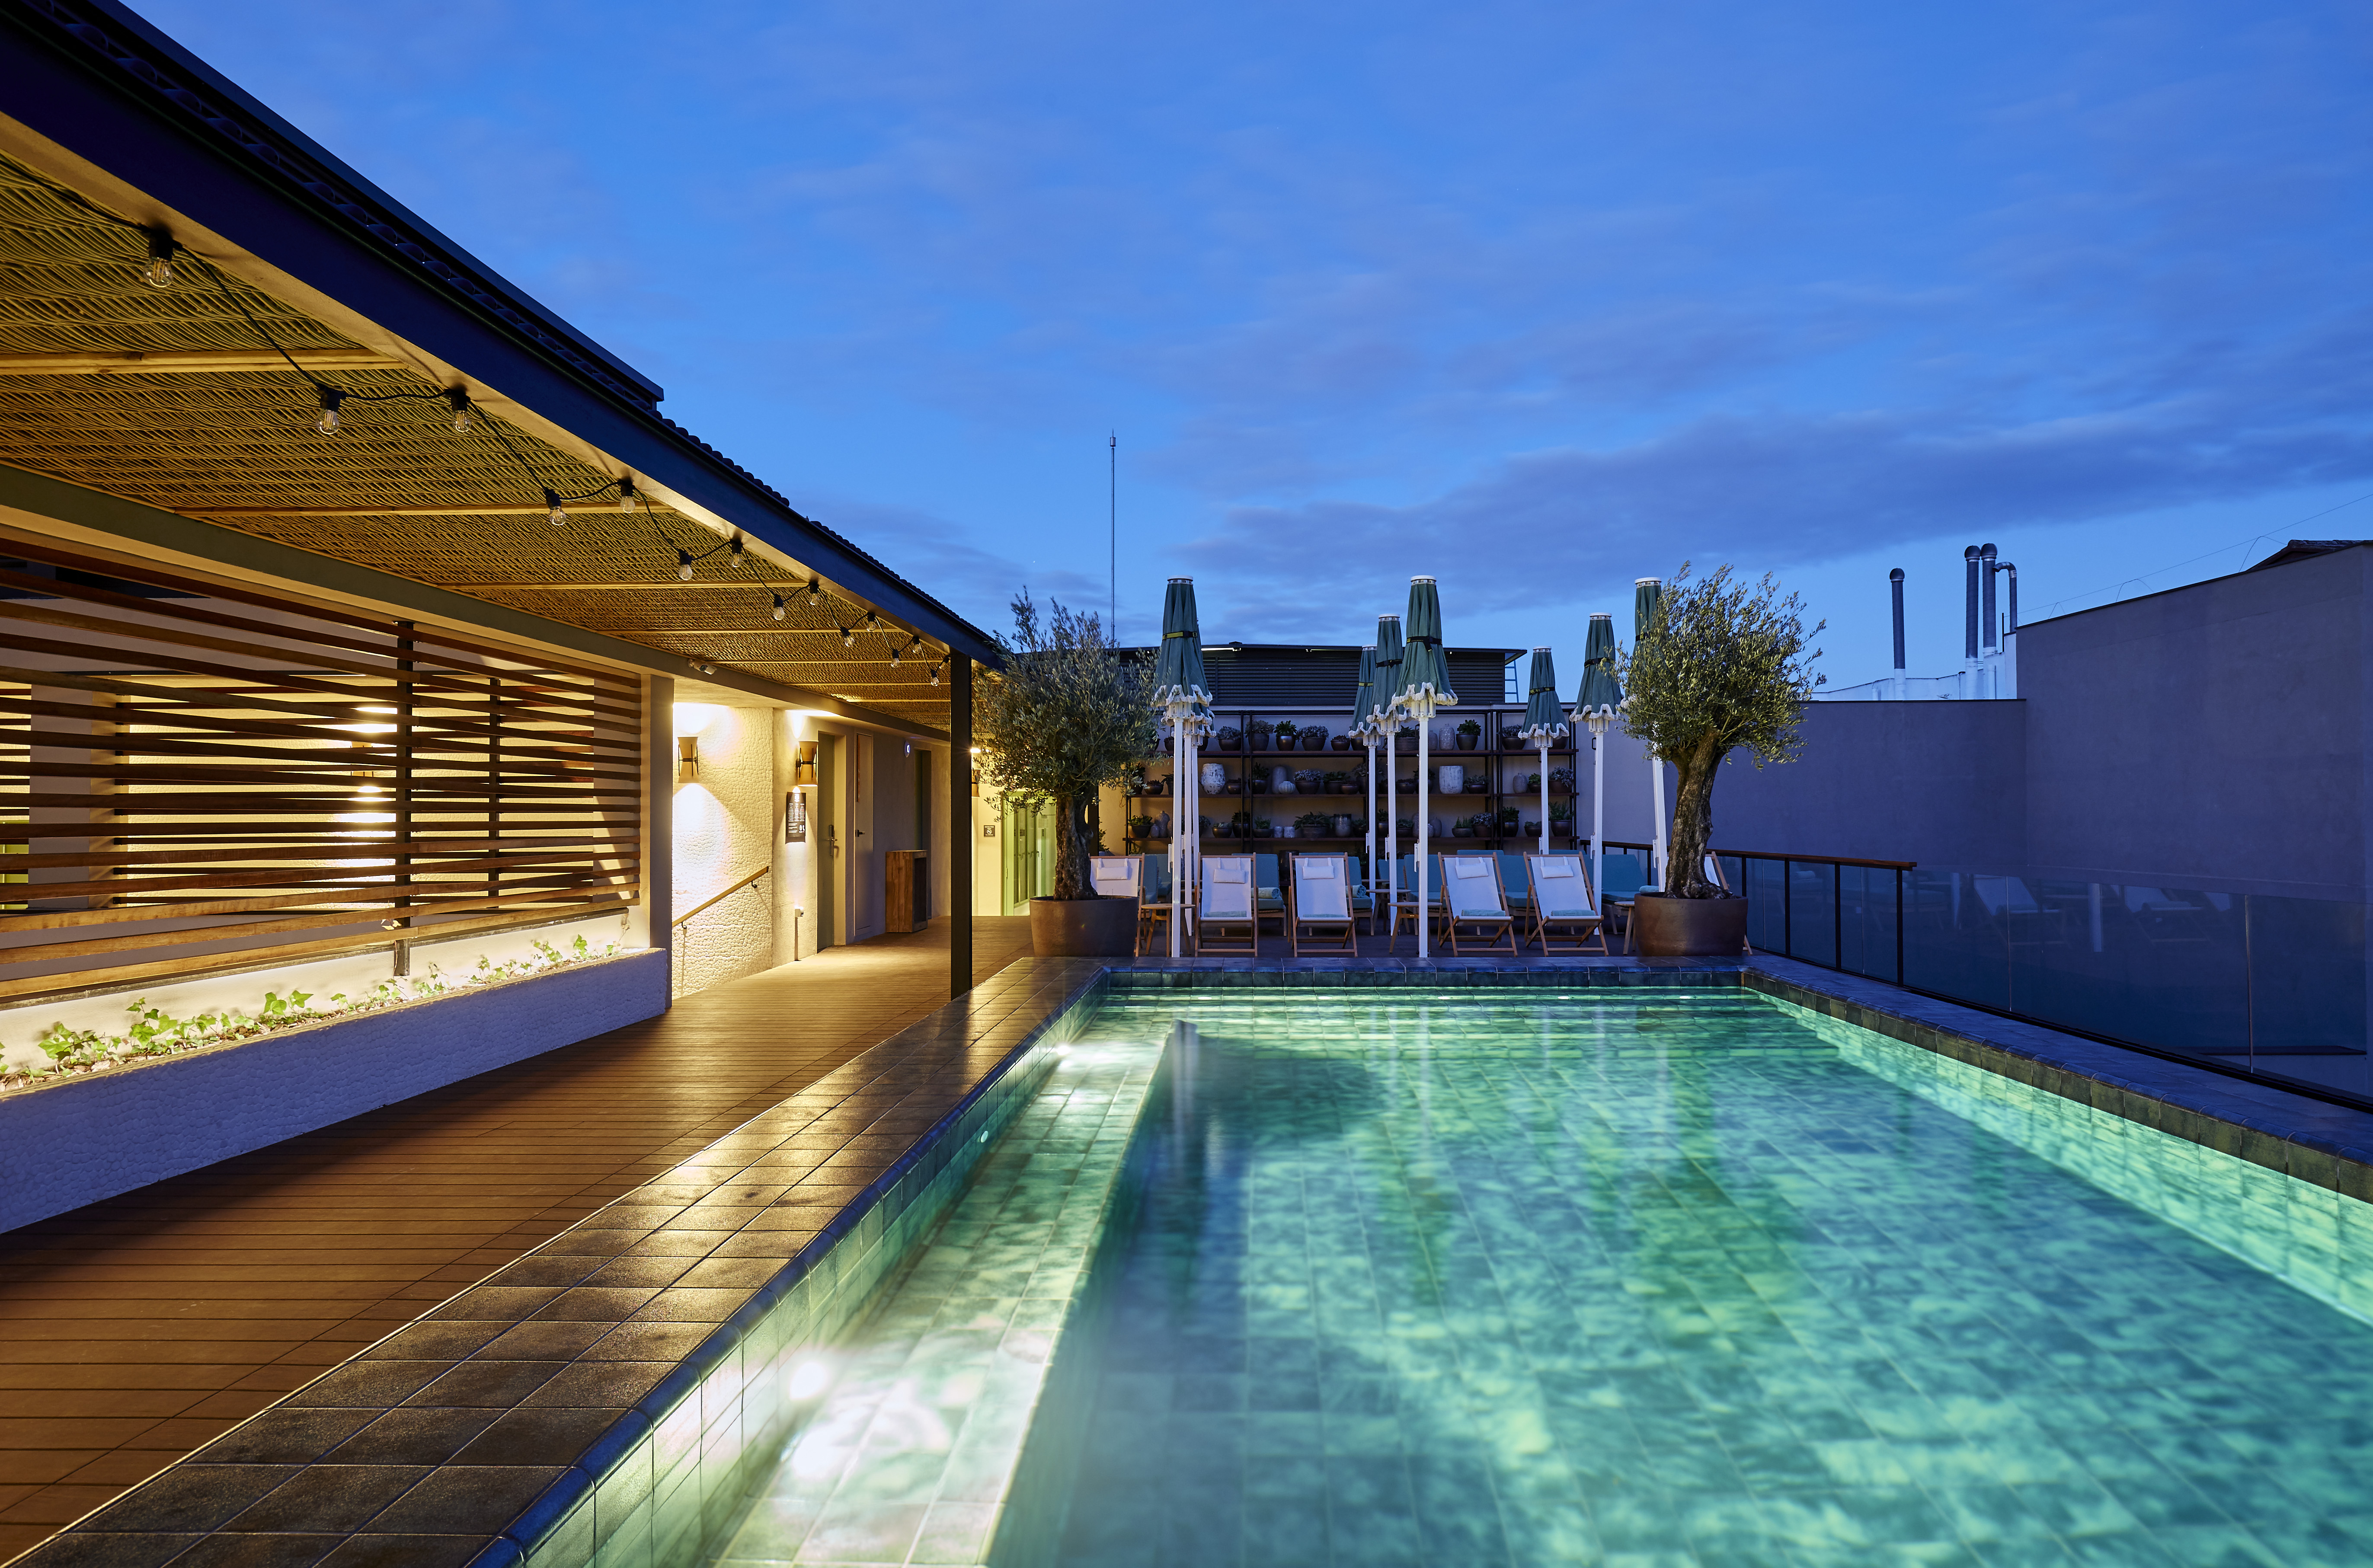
column 935, row 672
column 458, row 400
column 847, row 638
column 330, row 398
column 629, row 500
column 158, row 272
column 779, row 606
column 555, row 513
column 815, row 591
column 895, row 654
column 735, row 550
column 683, row 564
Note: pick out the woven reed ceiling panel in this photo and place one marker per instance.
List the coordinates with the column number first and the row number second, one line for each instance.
column 220, row 442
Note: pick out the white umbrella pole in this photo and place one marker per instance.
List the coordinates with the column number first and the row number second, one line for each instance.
column 1545, row 794
column 1177, row 867
column 1393, row 836
column 1372, row 821
column 1656, row 867
column 1425, row 826
column 1598, row 807
column 1189, row 828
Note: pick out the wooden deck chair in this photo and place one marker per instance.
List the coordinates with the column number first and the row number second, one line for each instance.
column 1470, row 890
column 1154, row 913
column 1318, row 905
column 1225, row 921
column 1516, row 885
column 1565, row 912
column 1121, row 876
column 1405, row 911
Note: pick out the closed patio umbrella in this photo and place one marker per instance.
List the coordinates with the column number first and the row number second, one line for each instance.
column 1363, row 724
column 1544, row 724
column 1425, row 690
column 1645, row 593
column 1385, row 719
column 1595, row 706
column 1183, row 696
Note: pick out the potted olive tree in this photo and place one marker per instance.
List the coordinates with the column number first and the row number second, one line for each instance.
column 1720, row 665
column 1066, row 717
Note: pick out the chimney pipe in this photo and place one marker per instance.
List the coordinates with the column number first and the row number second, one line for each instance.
column 1969, row 606
column 1895, row 587
column 1989, row 630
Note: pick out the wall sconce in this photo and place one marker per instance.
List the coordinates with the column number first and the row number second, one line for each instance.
column 687, row 759
column 803, row 772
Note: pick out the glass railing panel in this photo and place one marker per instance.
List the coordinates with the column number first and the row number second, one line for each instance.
column 1764, row 883
column 2163, row 966
column 1867, row 916
column 1812, row 912
column 2308, row 982
column 1955, row 941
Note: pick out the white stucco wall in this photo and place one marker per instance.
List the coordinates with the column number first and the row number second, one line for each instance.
column 726, row 824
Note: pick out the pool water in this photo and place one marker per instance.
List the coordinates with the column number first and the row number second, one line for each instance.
column 1674, row 1278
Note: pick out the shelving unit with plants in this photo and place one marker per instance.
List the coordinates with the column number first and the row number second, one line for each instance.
column 1251, row 748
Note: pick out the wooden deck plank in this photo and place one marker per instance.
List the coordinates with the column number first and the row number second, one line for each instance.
column 136, row 1329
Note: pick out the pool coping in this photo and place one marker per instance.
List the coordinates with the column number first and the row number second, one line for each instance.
column 604, row 1365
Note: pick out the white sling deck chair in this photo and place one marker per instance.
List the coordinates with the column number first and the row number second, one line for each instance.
column 1565, row 911
column 1318, row 905
column 1472, row 899
column 1121, row 876
column 1225, row 921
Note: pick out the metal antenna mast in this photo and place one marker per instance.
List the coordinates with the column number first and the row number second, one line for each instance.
column 1112, row 623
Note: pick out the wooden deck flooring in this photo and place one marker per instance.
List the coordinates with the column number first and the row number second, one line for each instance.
column 136, row 1329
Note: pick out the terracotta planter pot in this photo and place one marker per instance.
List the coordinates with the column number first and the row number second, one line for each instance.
column 1687, row 928
column 1083, row 928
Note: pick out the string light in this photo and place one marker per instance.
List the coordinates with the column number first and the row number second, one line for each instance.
column 158, row 272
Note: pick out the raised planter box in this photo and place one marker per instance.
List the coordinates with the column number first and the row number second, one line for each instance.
column 85, row 1137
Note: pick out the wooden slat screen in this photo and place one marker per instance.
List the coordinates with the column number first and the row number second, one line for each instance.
column 194, row 775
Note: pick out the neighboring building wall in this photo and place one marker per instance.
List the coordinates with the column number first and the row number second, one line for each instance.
column 2213, row 736
column 724, row 830
column 1941, row 783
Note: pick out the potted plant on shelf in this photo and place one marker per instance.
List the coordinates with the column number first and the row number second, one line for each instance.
column 1314, row 737
column 1263, row 827
column 1462, row 828
column 1512, row 741
column 1340, row 743
column 1309, row 781
column 1720, row 665
column 1285, row 734
column 1561, row 818
column 1560, row 781
column 1141, row 827
column 1061, row 720
column 1230, row 738
column 1258, row 732
column 1469, row 731
column 1312, row 824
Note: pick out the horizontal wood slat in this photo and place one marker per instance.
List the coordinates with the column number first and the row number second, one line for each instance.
column 184, row 763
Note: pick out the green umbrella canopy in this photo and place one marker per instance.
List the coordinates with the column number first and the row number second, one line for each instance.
column 1388, row 665
column 1601, row 692
column 1425, row 672
column 1178, row 669
column 1543, row 716
column 1364, row 697
column 1645, row 593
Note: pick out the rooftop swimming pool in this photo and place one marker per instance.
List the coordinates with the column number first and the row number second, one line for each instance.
column 1643, row 1278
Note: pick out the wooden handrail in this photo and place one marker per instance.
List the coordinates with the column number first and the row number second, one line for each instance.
column 720, row 897
column 1768, row 855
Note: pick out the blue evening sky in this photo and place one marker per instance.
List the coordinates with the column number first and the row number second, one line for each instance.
column 1535, row 298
